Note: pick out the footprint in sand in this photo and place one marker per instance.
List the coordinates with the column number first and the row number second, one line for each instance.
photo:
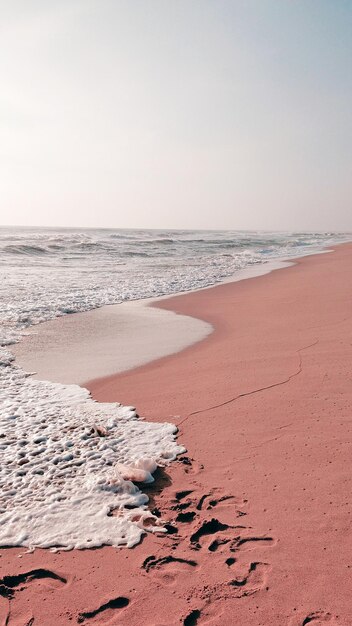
column 11, row 585
column 316, row 618
column 107, row 608
column 253, row 581
column 240, row 541
column 191, row 466
column 208, row 501
column 192, row 618
column 152, row 563
column 209, row 527
column 168, row 568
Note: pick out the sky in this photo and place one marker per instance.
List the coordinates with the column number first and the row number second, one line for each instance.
column 219, row 114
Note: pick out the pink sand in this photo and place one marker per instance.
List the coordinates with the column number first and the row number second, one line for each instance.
column 264, row 409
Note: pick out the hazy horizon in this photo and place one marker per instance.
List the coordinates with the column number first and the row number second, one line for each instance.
column 188, row 115
column 164, row 229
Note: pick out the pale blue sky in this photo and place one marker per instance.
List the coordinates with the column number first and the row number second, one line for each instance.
column 176, row 113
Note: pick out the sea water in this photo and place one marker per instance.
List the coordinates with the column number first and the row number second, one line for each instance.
column 72, row 470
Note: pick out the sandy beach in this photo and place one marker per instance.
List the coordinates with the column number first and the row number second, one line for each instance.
column 259, row 508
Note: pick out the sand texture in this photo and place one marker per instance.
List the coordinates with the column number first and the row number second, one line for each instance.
column 259, row 509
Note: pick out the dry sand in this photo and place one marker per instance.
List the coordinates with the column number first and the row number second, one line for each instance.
column 261, row 504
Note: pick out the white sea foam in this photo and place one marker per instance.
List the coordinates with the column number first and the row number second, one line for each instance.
column 67, row 464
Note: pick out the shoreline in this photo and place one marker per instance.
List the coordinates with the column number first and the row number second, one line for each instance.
column 169, row 303
column 91, row 345
column 261, row 501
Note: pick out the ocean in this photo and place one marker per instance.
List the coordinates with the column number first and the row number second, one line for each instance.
column 67, row 463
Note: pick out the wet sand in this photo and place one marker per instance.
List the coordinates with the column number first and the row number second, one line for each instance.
column 112, row 339
column 260, row 506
